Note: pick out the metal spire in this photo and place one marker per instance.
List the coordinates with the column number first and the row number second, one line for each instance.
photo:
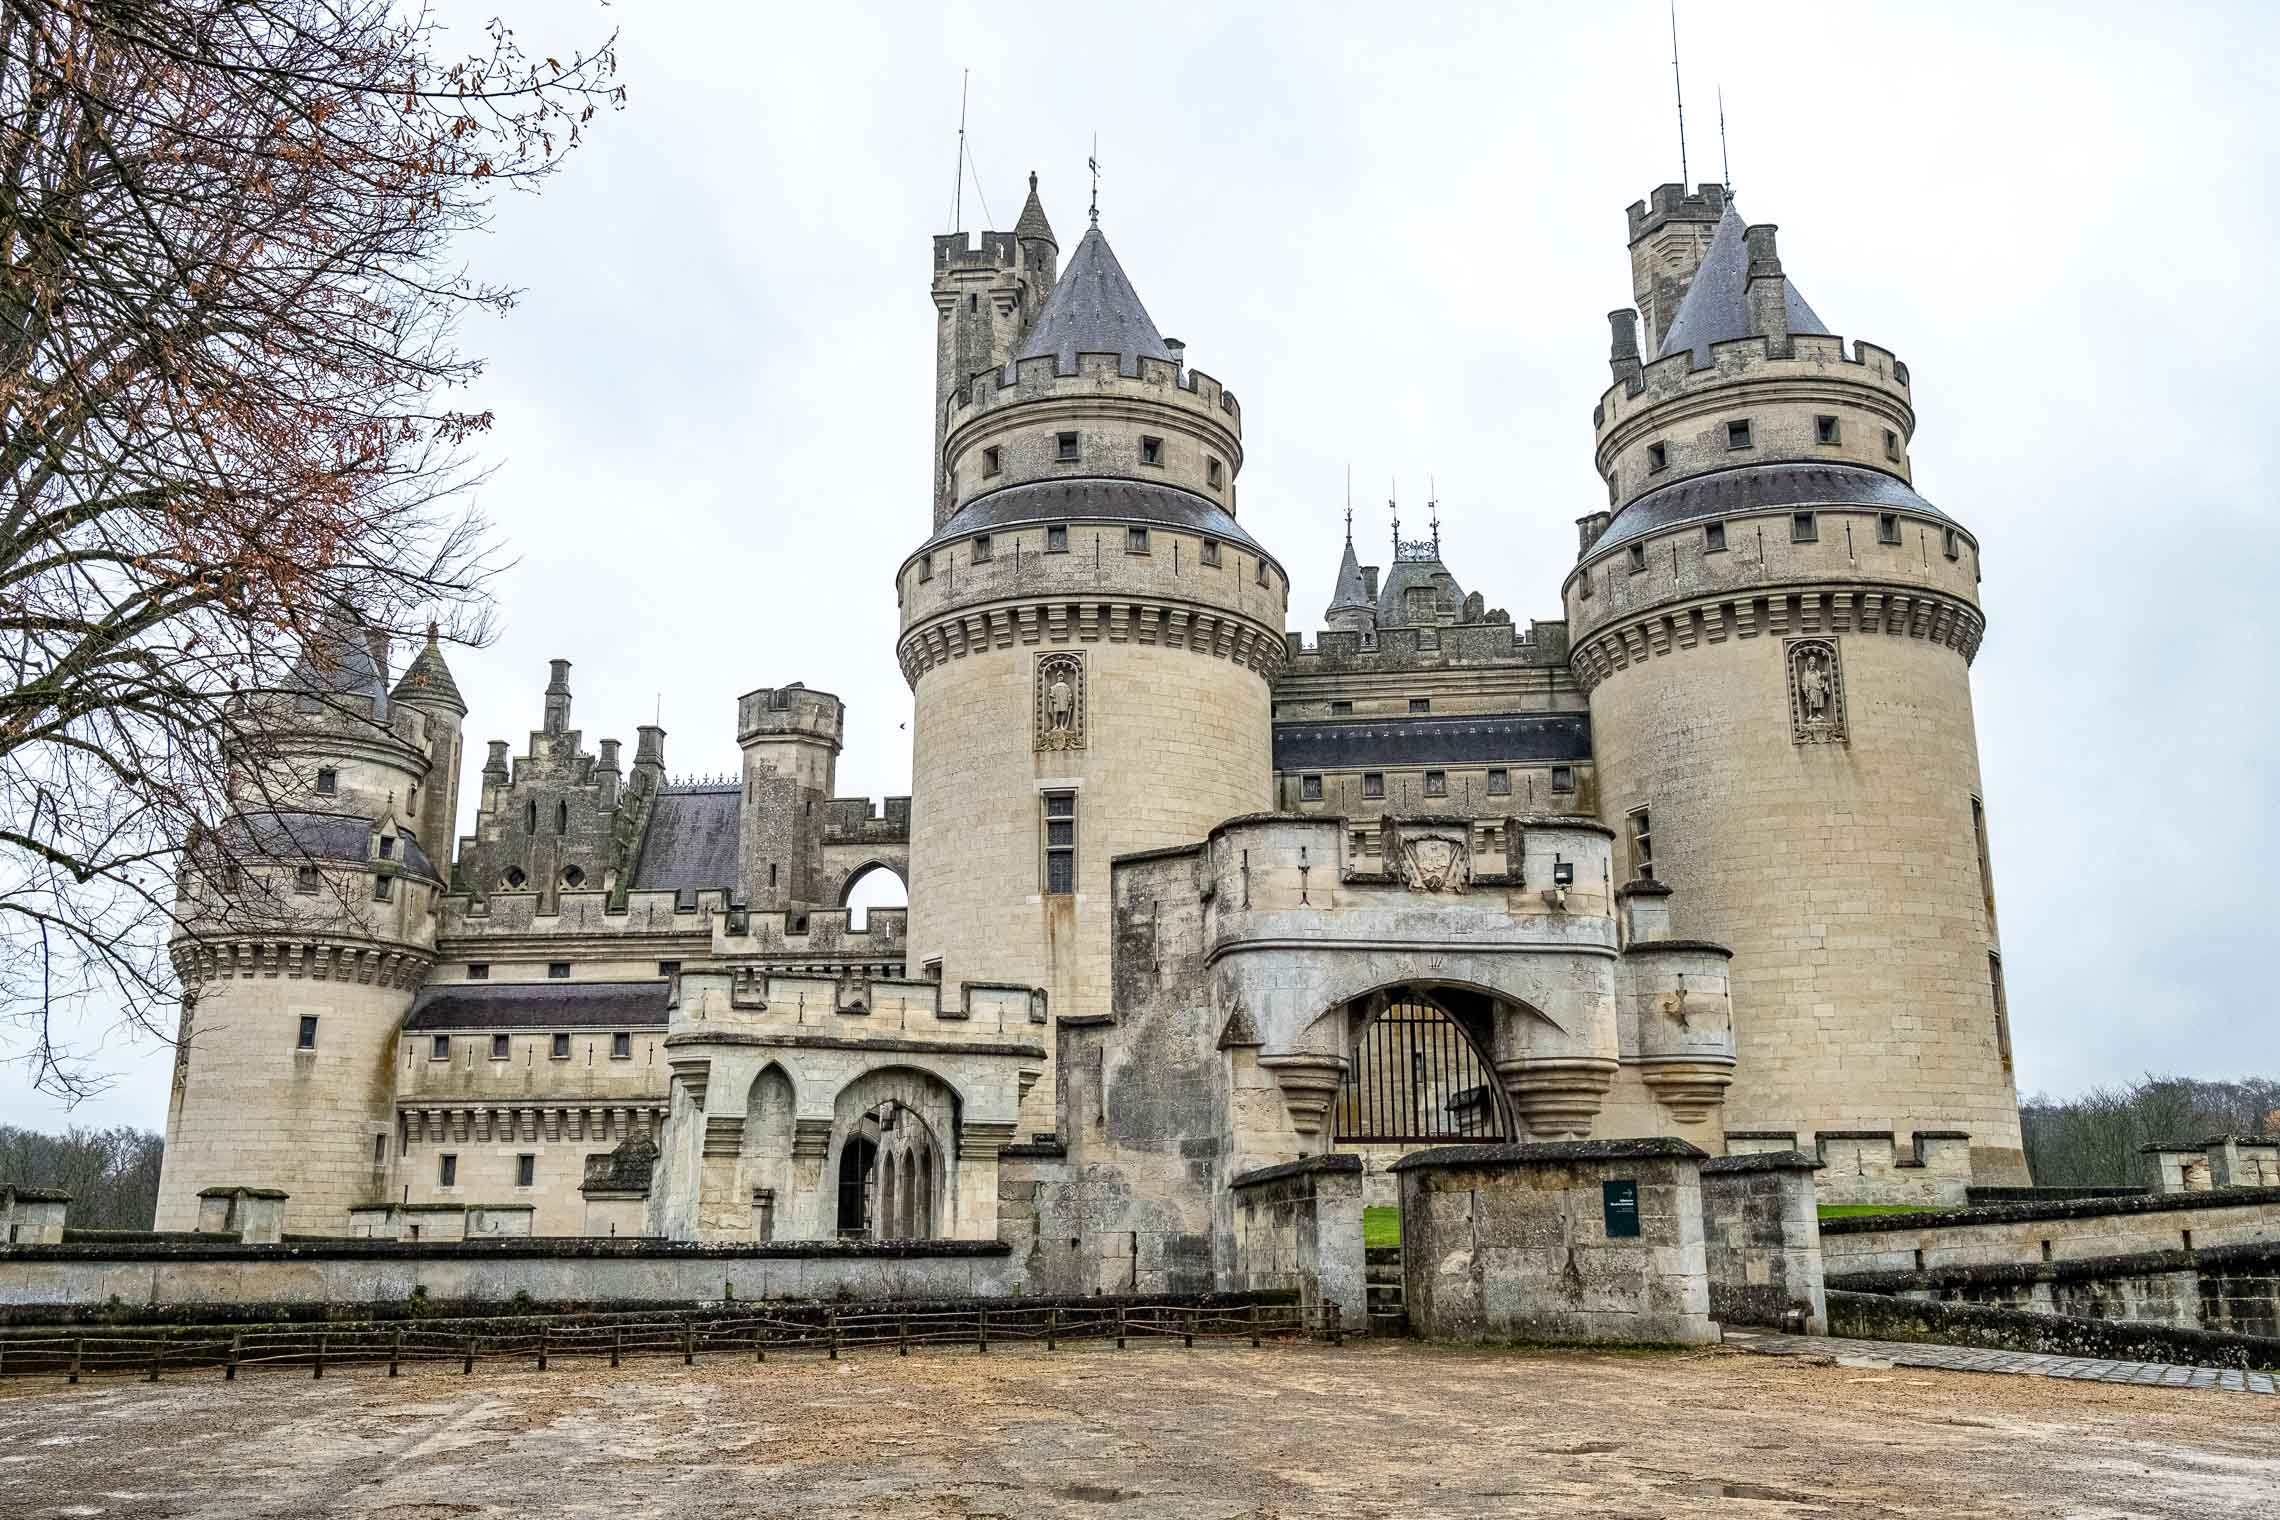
column 1678, row 89
column 1093, row 163
column 958, row 184
column 1725, row 164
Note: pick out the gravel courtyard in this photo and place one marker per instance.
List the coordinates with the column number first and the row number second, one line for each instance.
column 1157, row 1431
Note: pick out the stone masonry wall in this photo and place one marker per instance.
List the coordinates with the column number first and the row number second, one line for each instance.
column 2050, row 1232
column 1762, row 1240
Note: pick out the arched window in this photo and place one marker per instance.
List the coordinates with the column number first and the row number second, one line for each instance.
column 530, row 817
column 875, row 886
column 562, row 818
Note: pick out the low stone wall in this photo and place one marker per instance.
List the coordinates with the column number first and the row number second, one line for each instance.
column 1996, row 1197
column 2033, row 1232
column 158, row 1274
column 1880, row 1317
column 1592, row 1241
column 2231, row 1289
column 1762, row 1241
column 1298, row 1228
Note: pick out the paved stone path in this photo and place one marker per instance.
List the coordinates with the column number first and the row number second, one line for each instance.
column 2017, row 1363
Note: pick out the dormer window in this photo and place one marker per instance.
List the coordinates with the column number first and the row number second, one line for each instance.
column 1065, row 447
column 387, row 847
column 981, row 548
column 1211, row 551
column 1825, row 430
column 1152, row 451
column 1738, row 435
column 1057, row 538
column 328, row 781
column 993, row 461
column 1658, row 458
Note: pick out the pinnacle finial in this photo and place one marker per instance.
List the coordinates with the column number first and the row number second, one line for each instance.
column 1349, row 525
column 1033, row 180
column 1093, row 163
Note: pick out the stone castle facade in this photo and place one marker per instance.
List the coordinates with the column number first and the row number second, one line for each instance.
column 1190, row 895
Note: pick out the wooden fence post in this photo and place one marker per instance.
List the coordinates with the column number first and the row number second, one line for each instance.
column 688, row 1343
column 542, row 1348
column 835, row 1335
column 1052, row 1329
column 77, row 1347
column 1187, row 1330
column 617, row 1342
column 982, row 1331
column 1254, row 1327
column 1337, row 1331
column 324, row 1342
column 157, row 1358
column 902, row 1335
column 1120, row 1327
column 395, row 1350
column 759, row 1341
column 467, row 1363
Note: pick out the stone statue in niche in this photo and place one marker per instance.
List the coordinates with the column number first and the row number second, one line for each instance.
column 1060, row 701
column 1816, row 692
column 1435, row 863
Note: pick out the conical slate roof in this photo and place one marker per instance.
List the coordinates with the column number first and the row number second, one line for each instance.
column 1033, row 223
column 339, row 660
column 1094, row 310
column 1352, row 594
column 1717, row 304
column 427, row 680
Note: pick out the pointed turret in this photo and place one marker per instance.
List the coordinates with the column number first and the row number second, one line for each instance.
column 1717, row 304
column 1094, row 310
column 344, row 659
column 1351, row 606
column 1033, row 228
column 427, row 681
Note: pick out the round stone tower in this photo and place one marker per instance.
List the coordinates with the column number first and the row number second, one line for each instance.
column 309, row 919
column 1090, row 636
column 1775, row 631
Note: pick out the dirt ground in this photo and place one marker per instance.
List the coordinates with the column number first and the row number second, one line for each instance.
column 1157, row 1431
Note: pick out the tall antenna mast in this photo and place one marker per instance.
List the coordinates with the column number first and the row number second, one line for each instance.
column 1093, row 163
column 1725, row 164
column 958, row 182
column 1678, row 89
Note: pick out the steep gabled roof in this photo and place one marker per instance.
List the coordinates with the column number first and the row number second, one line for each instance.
column 1094, row 310
column 1717, row 304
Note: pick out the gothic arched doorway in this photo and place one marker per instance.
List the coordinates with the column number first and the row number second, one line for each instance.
column 1419, row 1074
column 858, row 1159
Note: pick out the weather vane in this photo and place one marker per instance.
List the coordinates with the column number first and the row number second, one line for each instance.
column 1093, row 163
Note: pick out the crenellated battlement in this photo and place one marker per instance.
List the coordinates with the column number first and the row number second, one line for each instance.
column 790, row 712
column 1670, row 203
column 860, row 820
column 1812, row 358
column 1097, row 376
column 956, row 251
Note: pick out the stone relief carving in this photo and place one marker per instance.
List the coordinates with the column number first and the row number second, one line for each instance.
column 1435, row 863
column 1816, row 692
column 1060, row 701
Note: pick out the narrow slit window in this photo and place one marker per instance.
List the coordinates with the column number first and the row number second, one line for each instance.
column 447, row 1171
column 526, row 1170
column 1642, row 846
column 308, row 1039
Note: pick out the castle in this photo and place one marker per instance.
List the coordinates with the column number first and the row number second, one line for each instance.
column 1190, row 895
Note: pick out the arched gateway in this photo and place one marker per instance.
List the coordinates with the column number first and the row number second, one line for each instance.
column 1419, row 1072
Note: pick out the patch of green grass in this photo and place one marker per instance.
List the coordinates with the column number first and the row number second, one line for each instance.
column 1381, row 1227
column 1861, row 1210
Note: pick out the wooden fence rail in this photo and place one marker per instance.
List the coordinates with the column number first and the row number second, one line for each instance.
column 542, row 1341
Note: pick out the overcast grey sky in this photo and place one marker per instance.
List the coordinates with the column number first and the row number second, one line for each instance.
column 1395, row 232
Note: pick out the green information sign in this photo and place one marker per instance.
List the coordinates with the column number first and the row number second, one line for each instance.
column 1619, row 1202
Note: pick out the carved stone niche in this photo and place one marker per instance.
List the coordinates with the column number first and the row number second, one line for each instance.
column 1433, row 857
column 1816, row 692
column 1060, row 701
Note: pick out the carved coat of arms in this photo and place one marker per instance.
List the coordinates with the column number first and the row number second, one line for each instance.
column 1436, row 863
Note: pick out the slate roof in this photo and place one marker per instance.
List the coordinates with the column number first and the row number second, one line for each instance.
column 1094, row 310
column 1094, row 499
column 339, row 660
column 1401, row 575
column 1033, row 223
column 428, row 679
column 1750, row 487
column 1717, row 305
column 1351, row 591
column 691, row 841
column 313, row 836
column 1348, row 743
column 542, row 1005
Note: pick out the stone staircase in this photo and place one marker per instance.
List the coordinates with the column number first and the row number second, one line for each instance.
column 1381, row 1278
